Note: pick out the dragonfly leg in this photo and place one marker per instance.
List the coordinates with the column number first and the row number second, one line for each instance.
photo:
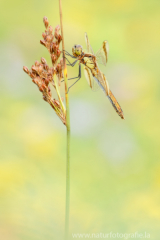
column 68, row 61
column 79, row 77
column 71, row 64
column 74, row 77
column 68, row 54
column 70, row 78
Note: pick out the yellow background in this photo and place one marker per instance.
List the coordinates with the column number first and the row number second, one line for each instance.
column 115, row 163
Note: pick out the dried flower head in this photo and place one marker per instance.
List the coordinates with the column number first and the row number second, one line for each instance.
column 44, row 76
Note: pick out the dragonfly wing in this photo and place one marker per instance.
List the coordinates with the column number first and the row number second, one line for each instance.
column 89, row 48
column 102, row 53
column 90, row 79
column 100, row 78
column 115, row 104
column 102, row 81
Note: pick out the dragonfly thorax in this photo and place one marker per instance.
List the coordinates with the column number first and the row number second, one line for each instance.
column 77, row 50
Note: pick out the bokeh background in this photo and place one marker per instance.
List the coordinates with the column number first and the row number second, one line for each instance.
column 115, row 164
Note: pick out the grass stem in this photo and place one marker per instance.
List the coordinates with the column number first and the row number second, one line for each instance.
column 68, row 132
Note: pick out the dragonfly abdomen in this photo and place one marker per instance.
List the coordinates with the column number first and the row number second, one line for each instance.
column 115, row 104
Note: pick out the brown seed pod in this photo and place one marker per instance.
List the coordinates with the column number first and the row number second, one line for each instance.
column 37, row 80
column 46, row 67
column 25, row 69
column 44, row 35
column 46, row 81
column 48, row 38
column 32, row 75
column 40, row 69
column 59, row 38
column 43, row 85
column 34, row 69
column 56, row 34
column 53, row 57
column 43, row 42
column 52, row 47
column 58, row 52
column 43, row 61
column 46, row 23
column 55, row 47
column 49, row 77
column 37, row 63
column 41, row 89
column 58, row 68
column 50, row 29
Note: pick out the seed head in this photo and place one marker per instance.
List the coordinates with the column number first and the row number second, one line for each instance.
column 43, row 75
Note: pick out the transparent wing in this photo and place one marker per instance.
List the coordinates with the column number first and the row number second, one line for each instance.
column 102, row 53
column 100, row 78
column 91, row 81
column 89, row 48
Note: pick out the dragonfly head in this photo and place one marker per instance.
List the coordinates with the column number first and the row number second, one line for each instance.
column 77, row 50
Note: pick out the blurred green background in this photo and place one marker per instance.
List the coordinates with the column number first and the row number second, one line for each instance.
column 115, row 164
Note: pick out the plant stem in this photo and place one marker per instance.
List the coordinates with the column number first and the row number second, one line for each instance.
column 68, row 132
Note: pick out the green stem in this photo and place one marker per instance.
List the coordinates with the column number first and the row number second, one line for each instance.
column 67, row 187
column 68, row 133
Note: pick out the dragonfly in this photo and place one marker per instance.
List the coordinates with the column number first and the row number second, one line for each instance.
column 95, row 78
